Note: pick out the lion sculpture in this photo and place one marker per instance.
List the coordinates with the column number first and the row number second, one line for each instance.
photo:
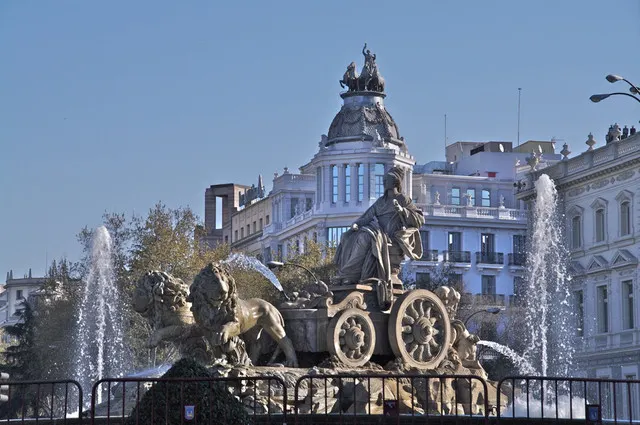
column 162, row 299
column 225, row 317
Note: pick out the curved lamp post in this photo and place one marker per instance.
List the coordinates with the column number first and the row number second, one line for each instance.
column 613, row 79
column 277, row 265
column 598, row 97
column 491, row 310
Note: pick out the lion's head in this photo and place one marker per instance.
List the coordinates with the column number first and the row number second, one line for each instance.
column 159, row 289
column 213, row 295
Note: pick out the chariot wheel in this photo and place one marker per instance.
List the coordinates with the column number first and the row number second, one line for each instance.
column 419, row 329
column 351, row 337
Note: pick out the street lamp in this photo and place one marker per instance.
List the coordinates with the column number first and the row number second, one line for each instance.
column 492, row 310
column 598, row 97
column 277, row 265
column 612, row 78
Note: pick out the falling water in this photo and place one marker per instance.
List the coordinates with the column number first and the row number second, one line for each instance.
column 524, row 367
column 549, row 319
column 251, row 263
column 100, row 351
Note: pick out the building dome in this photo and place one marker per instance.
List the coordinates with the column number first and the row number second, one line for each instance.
column 363, row 117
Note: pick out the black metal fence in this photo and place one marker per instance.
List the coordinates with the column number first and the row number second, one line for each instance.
column 397, row 398
column 316, row 399
column 188, row 400
column 40, row 401
column 557, row 398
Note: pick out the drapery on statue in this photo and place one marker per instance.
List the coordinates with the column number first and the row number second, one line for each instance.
column 379, row 240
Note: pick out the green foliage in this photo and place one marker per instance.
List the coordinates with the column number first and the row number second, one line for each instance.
column 317, row 258
column 213, row 403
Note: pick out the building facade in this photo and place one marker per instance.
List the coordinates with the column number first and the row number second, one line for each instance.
column 16, row 291
column 474, row 224
column 599, row 194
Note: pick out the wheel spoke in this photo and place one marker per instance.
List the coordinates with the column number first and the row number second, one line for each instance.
column 408, row 338
column 407, row 320
column 407, row 329
column 412, row 312
column 418, row 353
column 417, row 304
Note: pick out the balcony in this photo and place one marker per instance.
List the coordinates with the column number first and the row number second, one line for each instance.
column 430, row 255
column 517, row 259
column 457, row 256
column 474, row 212
column 490, row 258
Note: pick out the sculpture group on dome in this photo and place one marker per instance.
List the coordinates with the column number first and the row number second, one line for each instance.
column 369, row 80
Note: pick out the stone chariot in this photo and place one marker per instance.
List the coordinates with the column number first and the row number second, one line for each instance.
column 372, row 317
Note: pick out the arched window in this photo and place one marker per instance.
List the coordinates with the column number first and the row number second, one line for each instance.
column 625, row 218
column 600, row 225
column 576, row 232
column 599, row 208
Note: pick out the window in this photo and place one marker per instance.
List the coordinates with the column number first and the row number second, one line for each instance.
column 266, row 220
column 579, row 308
column 486, row 198
column 347, row 183
column 576, row 232
column 488, row 285
column 280, row 252
column 600, row 223
column 519, row 244
column 260, row 223
column 334, row 234
column 625, row 218
column 248, row 230
column 226, row 239
column 379, row 180
column 319, row 184
column 422, row 280
column 487, row 243
column 519, row 289
column 308, row 204
column 334, row 184
column 627, row 305
column 455, row 242
column 360, row 182
column 315, row 237
column 293, row 209
column 267, row 254
column 235, row 235
column 19, row 295
column 255, row 227
column 424, row 237
column 455, row 196
column 603, row 309
column 471, row 194
column 455, row 281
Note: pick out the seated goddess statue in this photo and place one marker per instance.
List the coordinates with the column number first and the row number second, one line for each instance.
column 380, row 239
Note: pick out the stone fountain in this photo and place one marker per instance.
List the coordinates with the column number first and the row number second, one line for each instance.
column 365, row 322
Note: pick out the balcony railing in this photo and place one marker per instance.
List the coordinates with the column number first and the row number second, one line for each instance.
column 429, row 255
column 489, row 258
column 517, row 259
column 475, row 212
column 457, row 256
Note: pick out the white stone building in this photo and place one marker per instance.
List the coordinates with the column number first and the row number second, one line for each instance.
column 16, row 291
column 599, row 193
column 473, row 221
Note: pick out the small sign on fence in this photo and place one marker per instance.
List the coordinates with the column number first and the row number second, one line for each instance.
column 189, row 412
column 594, row 414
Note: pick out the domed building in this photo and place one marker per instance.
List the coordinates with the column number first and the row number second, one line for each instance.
column 341, row 181
column 475, row 230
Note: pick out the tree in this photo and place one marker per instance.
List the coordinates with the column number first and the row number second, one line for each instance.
column 317, row 258
column 169, row 240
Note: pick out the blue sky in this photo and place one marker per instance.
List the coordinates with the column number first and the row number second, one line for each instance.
column 113, row 106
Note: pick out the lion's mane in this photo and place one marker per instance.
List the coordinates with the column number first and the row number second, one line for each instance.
column 207, row 283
